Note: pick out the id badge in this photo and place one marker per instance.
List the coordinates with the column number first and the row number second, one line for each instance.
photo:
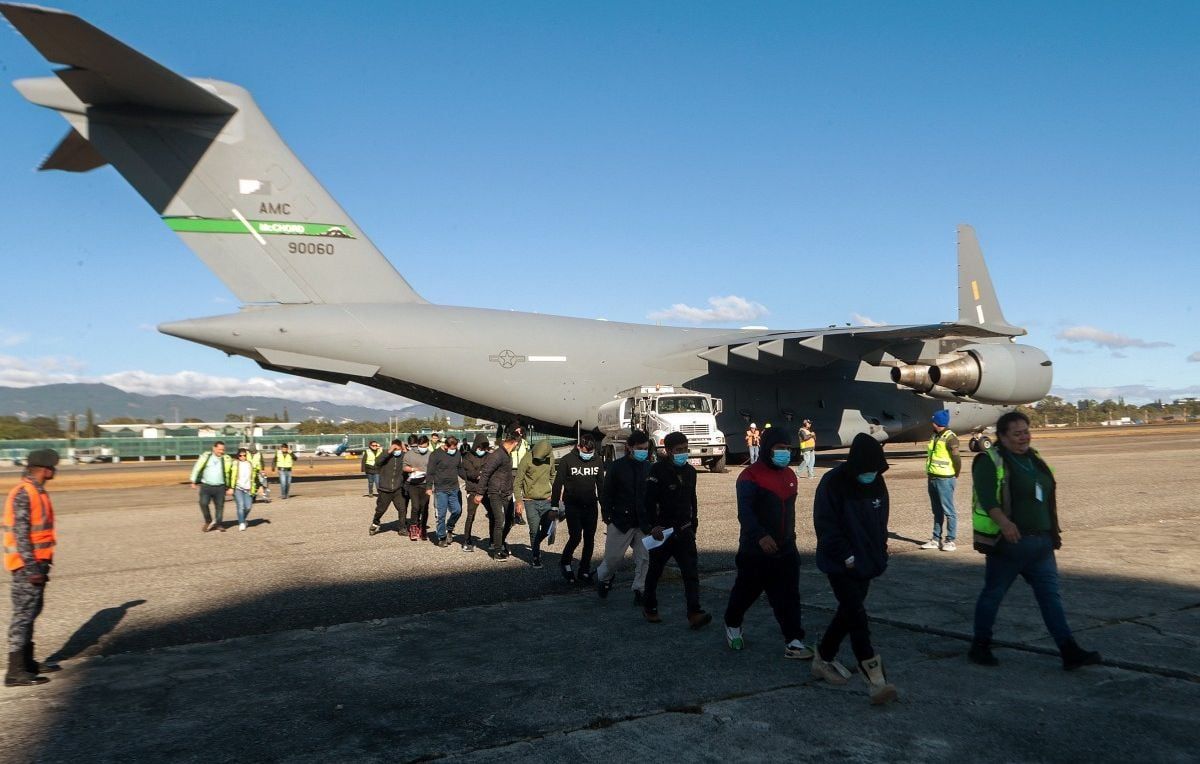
column 1037, row 491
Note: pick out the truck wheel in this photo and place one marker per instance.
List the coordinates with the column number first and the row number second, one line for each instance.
column 718, row 465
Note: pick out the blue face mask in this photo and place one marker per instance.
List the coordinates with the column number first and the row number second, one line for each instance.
column 781, row 458
column 641, row 454
column 451, row 451
column 586, row 455
column 866, row 478
column 422, row 449
column 480, row 452
column 679, row 459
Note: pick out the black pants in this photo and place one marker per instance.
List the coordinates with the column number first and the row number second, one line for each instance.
column 383, row 500
column 500, row 518
column 779, row 576
column 681, row 546
column 581, row 524
column 216, row 495
column 419, row 510
column 850, row 618
column 469, row 511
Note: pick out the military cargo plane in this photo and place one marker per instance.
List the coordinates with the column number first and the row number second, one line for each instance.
column 311, row 284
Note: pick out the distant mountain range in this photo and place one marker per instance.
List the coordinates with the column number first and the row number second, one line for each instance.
column 107, row 402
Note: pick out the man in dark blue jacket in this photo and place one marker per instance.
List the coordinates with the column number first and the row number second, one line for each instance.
column 621, row 501
column 767, row 558
column 850, row 513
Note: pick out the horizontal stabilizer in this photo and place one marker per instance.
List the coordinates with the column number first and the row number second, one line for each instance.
column 103, row 70
column 73, row 154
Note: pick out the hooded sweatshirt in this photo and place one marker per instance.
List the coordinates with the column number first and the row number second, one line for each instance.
column 670, row 497
column 535, row 473
column 766, row 501
column 443, row 470
column 471, row 464
column 578, row 482
column 851, row 518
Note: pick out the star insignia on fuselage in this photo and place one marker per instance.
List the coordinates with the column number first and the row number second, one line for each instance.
column 507, row 359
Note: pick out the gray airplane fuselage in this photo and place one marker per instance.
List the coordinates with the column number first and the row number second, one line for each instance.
column 554, row 371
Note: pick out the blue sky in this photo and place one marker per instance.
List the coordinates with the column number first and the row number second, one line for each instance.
column 797, row 165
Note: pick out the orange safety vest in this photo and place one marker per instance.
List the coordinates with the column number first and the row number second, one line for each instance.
column 41, row 526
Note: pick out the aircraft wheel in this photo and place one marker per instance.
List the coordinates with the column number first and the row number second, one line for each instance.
column 973, row 445
column 984, row 443
column 718, row 465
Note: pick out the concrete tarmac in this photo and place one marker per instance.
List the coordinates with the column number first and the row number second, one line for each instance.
column 303, row 639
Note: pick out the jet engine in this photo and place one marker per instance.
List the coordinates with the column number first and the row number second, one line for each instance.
column 998, row 374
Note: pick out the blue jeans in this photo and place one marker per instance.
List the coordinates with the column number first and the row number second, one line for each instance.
column 372, row 483
column 447, row 501
column 1032, row 558
column 941, row 496
column 809, row 458
column 285, row 482
column 243, row 499
column 753, row 454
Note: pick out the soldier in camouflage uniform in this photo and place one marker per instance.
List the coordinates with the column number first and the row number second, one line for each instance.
column 28, row 554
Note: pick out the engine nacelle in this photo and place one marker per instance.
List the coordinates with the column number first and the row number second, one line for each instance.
column 915, row 376
column 1000, row 374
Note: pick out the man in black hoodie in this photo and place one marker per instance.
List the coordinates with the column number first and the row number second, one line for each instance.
column 671, row 506
column 621, row 502
column 468, row 470
column 390, row 485
column 577, row 487
column 496, row 480
column 767, row 558
column 443, row 489
column 850, row 514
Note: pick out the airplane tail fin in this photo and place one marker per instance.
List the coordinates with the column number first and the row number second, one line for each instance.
column 207, row 160
column 977, row 303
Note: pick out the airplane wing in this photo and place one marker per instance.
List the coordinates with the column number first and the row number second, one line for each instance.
column 980, row 320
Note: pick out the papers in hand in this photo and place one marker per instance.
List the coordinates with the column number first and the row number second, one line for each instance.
column 416, row 475
column 652, row 543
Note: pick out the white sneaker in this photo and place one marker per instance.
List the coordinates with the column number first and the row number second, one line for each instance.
column 949, row 547
column 932, row 544
column 241, row 526
column 831, row 671
column 797, row 650
column 733, row 638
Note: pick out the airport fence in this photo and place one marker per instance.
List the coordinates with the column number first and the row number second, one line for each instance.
column 167, row 449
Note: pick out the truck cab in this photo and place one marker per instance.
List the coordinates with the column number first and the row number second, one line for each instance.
column 659, row 411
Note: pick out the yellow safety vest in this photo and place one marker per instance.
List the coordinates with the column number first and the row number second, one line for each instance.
column 986, row 530
column 937, row 460
column 809, row 442
column 284, row 460
column 370, row 456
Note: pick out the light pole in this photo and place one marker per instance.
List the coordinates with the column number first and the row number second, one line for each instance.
column 250, row 425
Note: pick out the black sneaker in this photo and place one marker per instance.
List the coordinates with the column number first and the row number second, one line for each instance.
column 468, row 547
column 444, row 541
column 1074, row 656
column 536, row 561
column 585, row 577
column 373, row 529
column 981, row 653
column 603, row 587
column 567, row 573
column 637, row 597
column 502, row 554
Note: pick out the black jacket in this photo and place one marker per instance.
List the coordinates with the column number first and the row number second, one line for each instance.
column 443, row 471
column 469, row 467
column 670, row 497
column 391, row 476
column 766, row 506
column 624, row 492
column 578, row 482
column 496, row 475
column 851, row 518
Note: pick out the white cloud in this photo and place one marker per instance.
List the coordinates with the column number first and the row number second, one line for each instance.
column 27, row 372
column 858, row 319
column 1071, row 351
column 1101, row 338
column 9, row 338
column 1195, row 357
column 720, row 310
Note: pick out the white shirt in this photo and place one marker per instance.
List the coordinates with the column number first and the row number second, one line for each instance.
column 243, row 475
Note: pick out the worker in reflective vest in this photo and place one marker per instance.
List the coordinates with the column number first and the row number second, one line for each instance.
column 942, row 465
column 284, row 461
column 1015, row 519
column 808, row 449
column 28, row 554
column 370, row 466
